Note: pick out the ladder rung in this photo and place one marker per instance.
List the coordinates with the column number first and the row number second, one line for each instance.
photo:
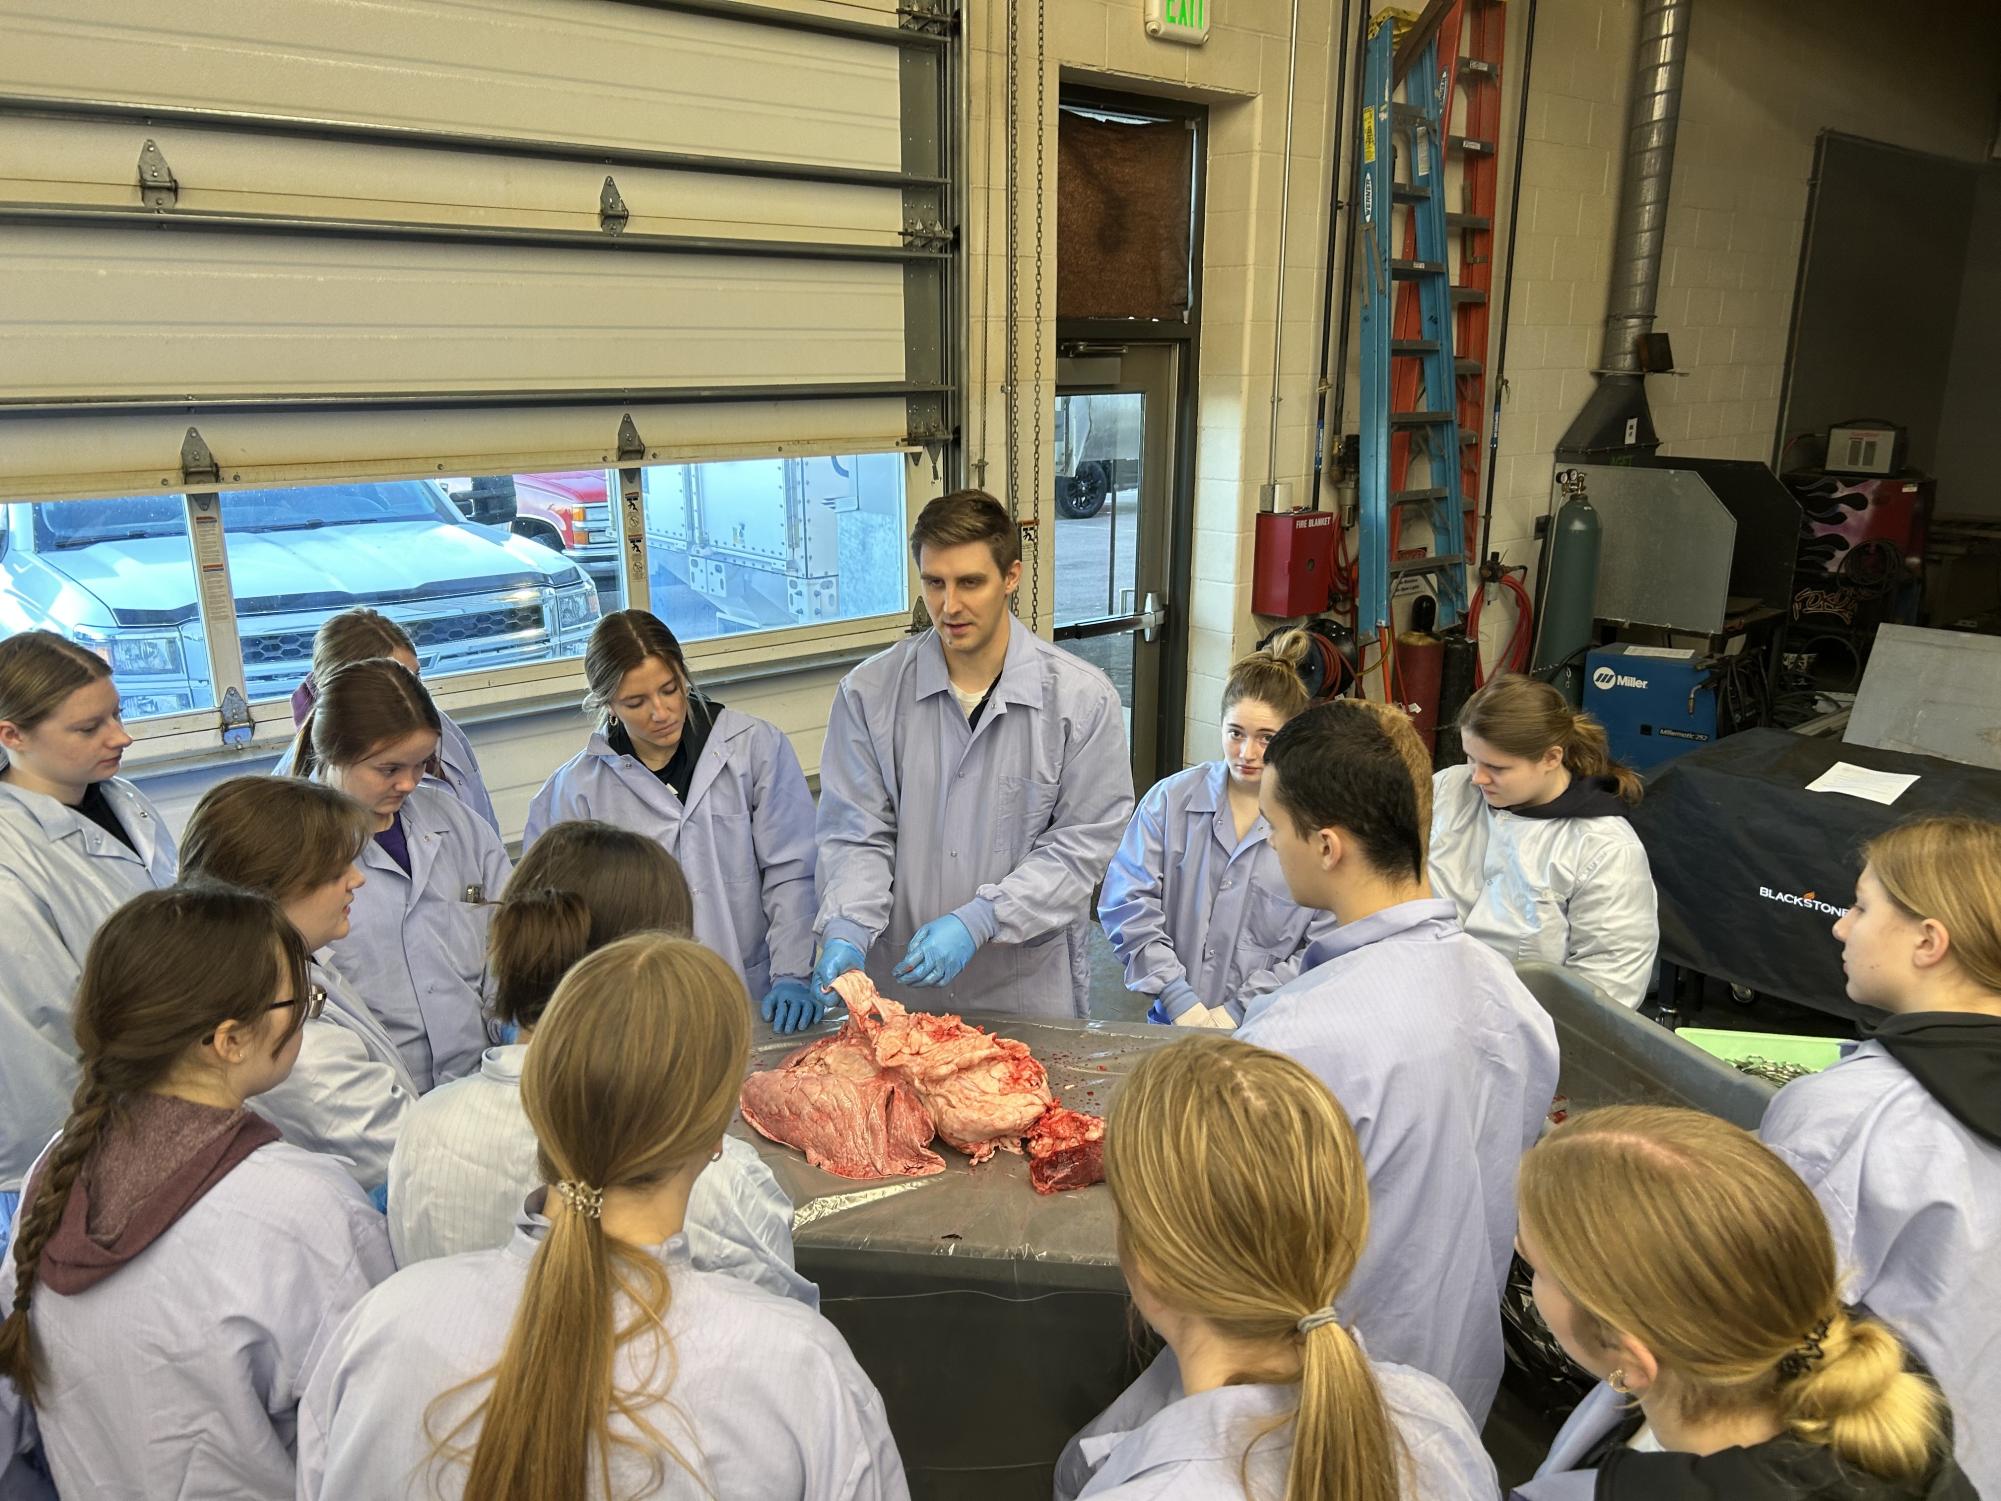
column 1413, row 346
column 1426, row 565
column 1464, row 366
column 1469, row 144
column 1469, row 221
column 1405, row 270
column 1412, row 497
column 1407, row 114
column 1468, row 294
column 1408, row 193
column 1479, row 67
column 1467, row 436
column 1420, row 419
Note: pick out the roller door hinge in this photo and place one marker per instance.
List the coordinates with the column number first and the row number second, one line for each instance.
column 631, row 447
column 198, row 466
column 612, row 214
column 923, row 231
column 931, row 17
column 157, row 188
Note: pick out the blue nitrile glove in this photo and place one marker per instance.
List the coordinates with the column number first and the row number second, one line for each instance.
column 1175, row 997
column 792, row 1006
column 940, row 949
column 837, row 957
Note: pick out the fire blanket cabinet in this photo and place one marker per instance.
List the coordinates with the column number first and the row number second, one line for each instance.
column 1293, row 563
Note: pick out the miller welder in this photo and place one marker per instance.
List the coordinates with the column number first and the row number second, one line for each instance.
column 1655, row 702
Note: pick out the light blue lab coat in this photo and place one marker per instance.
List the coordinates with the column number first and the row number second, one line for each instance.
column 416, row 945
column 1446, row 1066
column 22, row 1474
column 1185, row 899
column 1914, row 1200
column 744, row 838
column 1008, row 826
column 1154, row 1442
column 61, row 876
column 458, row 770
column 180, row 1373
column 760, row 1394
column 348, row 1093
column 1558, row 1477
column 468, row 1158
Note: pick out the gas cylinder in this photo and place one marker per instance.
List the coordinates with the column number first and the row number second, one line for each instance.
column 1565, row 621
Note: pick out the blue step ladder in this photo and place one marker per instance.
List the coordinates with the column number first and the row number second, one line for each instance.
column 1407, row 130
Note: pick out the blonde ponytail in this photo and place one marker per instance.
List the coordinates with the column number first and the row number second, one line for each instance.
column 1859, row 1398
column 1243, row 1202
column 1523, row 717
column 1343, row 1446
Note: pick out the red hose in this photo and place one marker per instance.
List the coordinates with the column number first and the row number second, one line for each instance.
column 1521, row 638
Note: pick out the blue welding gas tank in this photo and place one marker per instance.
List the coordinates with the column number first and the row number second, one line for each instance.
column 1566, row 619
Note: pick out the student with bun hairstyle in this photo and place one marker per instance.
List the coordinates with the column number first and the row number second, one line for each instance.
column 297, row 843
column 1242, row 1209
column 76, row 841
column 1688, row 1268
column 1530, row 840
column 467, row 1159
column 720, row 789
column 177, row 1266
column 1194, row 903
column 1901, row 1140
column 415, row 949
column 590, row 1356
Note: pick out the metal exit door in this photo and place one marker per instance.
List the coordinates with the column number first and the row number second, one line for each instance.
column 1114, row 443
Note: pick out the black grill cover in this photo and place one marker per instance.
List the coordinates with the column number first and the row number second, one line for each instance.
column 1753, row 870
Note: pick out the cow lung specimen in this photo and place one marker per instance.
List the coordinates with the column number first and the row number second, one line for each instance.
column 865, row 1102
column 848, row 1116
column 1066, row 1149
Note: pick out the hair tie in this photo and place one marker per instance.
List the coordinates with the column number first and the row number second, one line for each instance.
column 1794, row 1363
column 582, row 1198
column 1318, row 1317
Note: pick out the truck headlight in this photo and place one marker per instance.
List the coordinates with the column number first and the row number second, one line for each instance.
column 137, row 653
column 576, row 607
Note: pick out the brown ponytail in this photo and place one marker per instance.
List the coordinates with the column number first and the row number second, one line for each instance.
column 1523, row 717
column 1243, row 1201
column 641, row 1010
column 1741, row 1303
column 151, row 990
column 359, row 708
column 1271, row 676
column 580, row 886
column 356, row 635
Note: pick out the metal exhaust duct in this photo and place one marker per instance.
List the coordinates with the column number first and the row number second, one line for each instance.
column 1616, row 419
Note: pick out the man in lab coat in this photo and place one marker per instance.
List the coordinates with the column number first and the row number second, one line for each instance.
column 973, row 788
column 1439, row 1054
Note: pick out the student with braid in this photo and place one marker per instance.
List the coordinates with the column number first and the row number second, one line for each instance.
column 1243, row 1207
column 1686, row 1266
column 590, row 1357
column 176, row 1265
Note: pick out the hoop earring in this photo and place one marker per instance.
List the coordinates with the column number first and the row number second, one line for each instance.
column 1617, row 1381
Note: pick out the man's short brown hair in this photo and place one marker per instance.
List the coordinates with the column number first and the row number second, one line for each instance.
column 967, row 516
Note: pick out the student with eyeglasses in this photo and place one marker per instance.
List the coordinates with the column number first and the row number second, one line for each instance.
column 175, row 1264
column 300, row 843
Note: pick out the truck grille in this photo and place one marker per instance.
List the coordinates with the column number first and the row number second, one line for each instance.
column 281, row 647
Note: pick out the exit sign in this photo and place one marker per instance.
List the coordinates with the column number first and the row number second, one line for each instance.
column 1178, row 20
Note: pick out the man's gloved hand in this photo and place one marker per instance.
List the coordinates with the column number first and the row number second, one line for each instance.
column 1203, row 1016
column 1176, row 999
column 940, row 949
column 792, row 1006
column 837, row 957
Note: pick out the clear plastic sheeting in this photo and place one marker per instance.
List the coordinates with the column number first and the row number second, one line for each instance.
column 987, row 1220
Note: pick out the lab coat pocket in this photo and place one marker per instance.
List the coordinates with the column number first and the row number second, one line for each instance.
column 731, row 861
column 467, row 923
column 1021, row 812
column 1276, row 920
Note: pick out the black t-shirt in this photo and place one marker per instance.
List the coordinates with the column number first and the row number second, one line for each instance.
column 97, row 808
column 679, row 771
